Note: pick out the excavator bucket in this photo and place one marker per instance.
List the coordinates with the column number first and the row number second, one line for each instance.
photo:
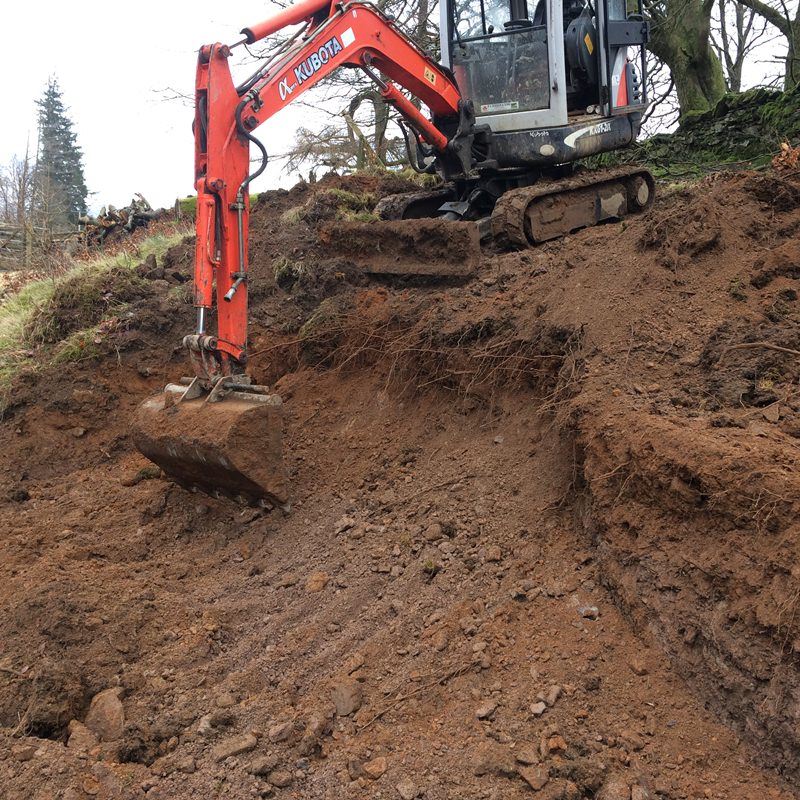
column 231, row 447
column 426, row 248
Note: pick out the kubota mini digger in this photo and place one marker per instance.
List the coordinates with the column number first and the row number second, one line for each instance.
column 525, row 88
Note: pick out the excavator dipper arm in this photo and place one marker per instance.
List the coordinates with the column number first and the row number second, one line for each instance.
column 351, row 34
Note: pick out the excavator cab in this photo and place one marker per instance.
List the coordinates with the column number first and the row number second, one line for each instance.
column 529, row 66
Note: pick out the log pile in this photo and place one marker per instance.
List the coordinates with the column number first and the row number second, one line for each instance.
column 111, row 220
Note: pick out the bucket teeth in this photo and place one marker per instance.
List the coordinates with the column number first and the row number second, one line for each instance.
column 232, row 447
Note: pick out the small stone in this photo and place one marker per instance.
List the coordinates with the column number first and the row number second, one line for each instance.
column 640, row 793
column 615, row 789
column 537, row 709
column 317, row 581
column 406, row 789
column 280, row 731
column 433, row 532
column 263, row 765
column 77, row 432
column 490, row 759
column 287, row 580
column 632, row 740
column 494, row 553
column 23, row 752
column 590, row 612
column 280, row 778
column 556, row 743
column 344, row 524
column 235, row 746
column 106, row 716
column 225, row 700
column 486, row 710
column 80, row 737
column 527, row 754
column 535, row 777
column 347, row 696
column 375, row 768
column 638, row 666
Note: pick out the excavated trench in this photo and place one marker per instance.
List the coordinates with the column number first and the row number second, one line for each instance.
column 543, row 543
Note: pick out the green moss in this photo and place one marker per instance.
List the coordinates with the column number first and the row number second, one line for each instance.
column 742, row 130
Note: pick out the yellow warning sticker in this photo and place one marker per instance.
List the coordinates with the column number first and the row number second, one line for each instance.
column 430, row 76
column 588, row 41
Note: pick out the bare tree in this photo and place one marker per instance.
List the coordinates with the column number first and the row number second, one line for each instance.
column 785, row 17
column 736, row 33
column 16, row 190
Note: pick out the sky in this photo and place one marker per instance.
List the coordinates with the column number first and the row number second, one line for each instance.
column 117, row 66
column 113, row 63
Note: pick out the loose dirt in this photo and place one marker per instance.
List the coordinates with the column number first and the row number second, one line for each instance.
column 543, row 540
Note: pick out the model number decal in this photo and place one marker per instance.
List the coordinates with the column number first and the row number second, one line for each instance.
column 313, row 64
column 592, row 130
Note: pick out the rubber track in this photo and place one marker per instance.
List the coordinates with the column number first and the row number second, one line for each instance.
column 393, row 206
column 508, row 217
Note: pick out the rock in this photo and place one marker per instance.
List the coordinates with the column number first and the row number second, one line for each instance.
column 344, row 524
column 288, row 579
column 433, row 532
column 280, row 778
column 637, row 666
column 375, row 768
column 556, row 743
column 406, row 789
column 204, row 727
column 589, row 612
column 317, row 581
column 491, row 759
column 527, row 754
column 235, row 746
column 486, row 709
column 537, row 709
column 632, row 740
column 615, row 788
column 535, row 777
column 106, row 716
column 551, row 696
column 77, row 432
column 225, row 700
column 640, row 793
column 494, row 553
column 347, row 696
column 23, row 752
column 280, row 731
column 263, row 765
column 80, row 737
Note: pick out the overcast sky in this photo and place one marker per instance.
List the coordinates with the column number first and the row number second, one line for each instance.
column 112, row 61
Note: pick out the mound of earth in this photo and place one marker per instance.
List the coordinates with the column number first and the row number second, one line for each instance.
column 543, row 540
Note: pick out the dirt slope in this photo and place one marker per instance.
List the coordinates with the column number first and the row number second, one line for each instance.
column 543, row 540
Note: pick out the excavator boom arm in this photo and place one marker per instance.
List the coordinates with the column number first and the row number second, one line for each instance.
column 354, row 35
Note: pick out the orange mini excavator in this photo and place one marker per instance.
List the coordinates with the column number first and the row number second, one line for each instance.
column 526, row 88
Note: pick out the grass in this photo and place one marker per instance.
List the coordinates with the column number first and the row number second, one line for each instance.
column 58, row 320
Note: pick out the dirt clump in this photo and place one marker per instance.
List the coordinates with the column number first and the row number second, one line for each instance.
column 543, row 537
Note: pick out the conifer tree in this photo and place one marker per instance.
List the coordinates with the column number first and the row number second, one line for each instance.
column 61, row 187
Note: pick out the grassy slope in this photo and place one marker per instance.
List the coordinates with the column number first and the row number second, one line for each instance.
column 24, row 315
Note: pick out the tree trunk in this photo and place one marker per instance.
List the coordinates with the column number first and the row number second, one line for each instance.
column 680, row 36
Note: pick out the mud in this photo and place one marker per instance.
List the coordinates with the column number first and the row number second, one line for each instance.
column 543, row 530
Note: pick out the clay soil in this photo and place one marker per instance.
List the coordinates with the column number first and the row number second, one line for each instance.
column 543, row 540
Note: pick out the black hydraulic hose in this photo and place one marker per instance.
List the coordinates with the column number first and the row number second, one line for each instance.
column 411, row 158
column 249, row 136
column 240, row 275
